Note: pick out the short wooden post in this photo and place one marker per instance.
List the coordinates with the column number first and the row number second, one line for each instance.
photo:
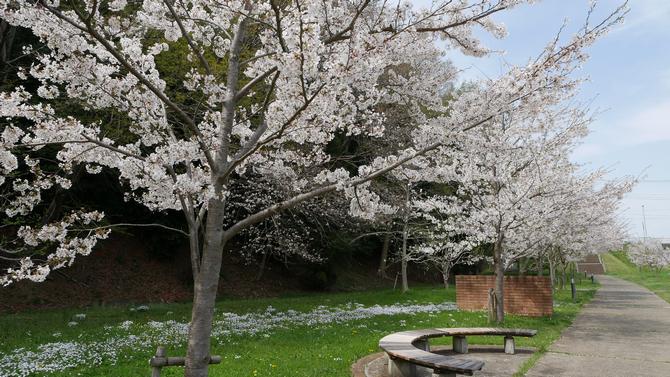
column 161, row 360
column 156, row 369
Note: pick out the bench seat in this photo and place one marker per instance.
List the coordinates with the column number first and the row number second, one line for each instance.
column 409, row 351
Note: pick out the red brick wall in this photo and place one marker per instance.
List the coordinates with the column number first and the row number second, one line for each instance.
column 525, row 295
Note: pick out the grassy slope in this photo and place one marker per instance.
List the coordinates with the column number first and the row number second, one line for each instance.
column 300, row 351
column 657, row 281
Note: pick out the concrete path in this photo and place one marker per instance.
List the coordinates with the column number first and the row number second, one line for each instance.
column 624, row 331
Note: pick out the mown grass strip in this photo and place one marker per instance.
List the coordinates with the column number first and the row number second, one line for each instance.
column 657, row 281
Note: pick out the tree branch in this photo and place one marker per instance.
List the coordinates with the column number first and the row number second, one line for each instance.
column 188, row 38
column 134, row 225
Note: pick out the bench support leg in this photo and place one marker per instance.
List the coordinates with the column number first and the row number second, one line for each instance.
column 444, row 374
column 460, row 344
column 422, row 344
column 402, row 368
column 509, row 345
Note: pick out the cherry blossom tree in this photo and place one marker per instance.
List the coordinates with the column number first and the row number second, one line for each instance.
column 585, row 221
column 297, row 234
column 649, row 253
column 447, row 240
column 517, row 181
column 270, row 85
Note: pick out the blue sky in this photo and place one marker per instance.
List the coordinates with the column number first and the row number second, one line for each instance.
column 629, row 72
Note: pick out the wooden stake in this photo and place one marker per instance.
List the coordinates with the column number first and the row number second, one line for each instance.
column 156, row 370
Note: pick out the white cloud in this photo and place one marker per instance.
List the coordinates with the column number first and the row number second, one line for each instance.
column 646, row 16
column 650, row 124
column 587, row 150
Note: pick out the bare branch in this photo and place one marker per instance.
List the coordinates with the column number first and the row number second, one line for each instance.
column 155, row 225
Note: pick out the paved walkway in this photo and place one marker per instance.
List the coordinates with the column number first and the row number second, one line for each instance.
column 624, row 331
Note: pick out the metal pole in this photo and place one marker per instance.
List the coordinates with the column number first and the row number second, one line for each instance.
column 572, row 286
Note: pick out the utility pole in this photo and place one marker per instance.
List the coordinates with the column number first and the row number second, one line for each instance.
column 644, row 223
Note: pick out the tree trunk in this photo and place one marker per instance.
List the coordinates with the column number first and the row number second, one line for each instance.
column 261, row 269
column 500, row 278
column 405, row 231
column 7, row 34
column 204, row 293
column 552, row 274
column 563, row 275
column 403, row 261
column 385, row 253
column 446, row 270
column 539, row 265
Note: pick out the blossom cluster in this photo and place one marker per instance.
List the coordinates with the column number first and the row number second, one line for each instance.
column 69, row 242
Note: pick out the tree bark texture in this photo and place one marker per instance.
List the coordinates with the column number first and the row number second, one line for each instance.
column 384, row 257
column 446, row 271
column 405, row 231
column 499, row 278
column 261, row 269
column 204, row 295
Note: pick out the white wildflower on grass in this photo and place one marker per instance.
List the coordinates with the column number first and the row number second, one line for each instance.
column 108, row 348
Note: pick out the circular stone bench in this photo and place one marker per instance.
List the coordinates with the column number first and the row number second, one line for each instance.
column 409, row 353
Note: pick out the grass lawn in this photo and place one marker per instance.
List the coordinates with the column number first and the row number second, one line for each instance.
column 298, row 349
column 617, row 264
